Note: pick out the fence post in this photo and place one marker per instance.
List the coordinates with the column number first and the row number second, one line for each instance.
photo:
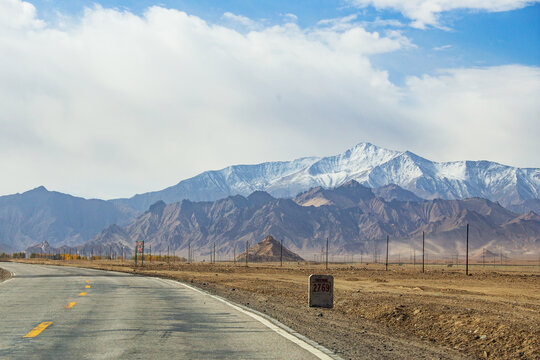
column 281, row 253
column 387, row 239
column 423, row 249
column 467, row 256
column 327, row 253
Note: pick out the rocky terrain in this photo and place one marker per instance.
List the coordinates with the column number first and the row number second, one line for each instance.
column 352, row 217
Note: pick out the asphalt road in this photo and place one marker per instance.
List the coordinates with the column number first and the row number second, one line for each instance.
column 67, row 313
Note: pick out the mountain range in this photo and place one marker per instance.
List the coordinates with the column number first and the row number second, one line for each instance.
column 518, row 189
column 352, row 217
column 40, row 215
column 63, row 220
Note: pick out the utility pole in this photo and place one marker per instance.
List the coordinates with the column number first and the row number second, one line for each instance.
column 327, row 253
column 189, row 253
column 281, row 253
column 247, row 252
column 423, row 249
column 467, row 255
column 483, row 257
column 135, row 254
column 234, row 254
column 150, row 253
column 387, row 239
column 214, row 252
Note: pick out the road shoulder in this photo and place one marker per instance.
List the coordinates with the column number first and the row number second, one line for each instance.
column 4, row 274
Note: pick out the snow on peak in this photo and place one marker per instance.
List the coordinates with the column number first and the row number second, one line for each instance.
column 366, row 163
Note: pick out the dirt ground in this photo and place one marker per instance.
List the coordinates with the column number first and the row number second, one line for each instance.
column 400, row 313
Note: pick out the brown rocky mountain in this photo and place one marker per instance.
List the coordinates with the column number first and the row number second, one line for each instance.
column 268, row 250
column 393, row 192
column 351, row 216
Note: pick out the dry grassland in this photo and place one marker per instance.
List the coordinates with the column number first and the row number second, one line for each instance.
column 400, row 313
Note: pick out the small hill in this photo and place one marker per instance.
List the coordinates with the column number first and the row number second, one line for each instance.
column 43, row 248
column 268, row 250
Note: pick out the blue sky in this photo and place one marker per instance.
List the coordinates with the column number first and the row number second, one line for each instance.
column 470, row 37
column 108, row 99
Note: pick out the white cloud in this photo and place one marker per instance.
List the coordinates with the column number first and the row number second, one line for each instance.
column 112, row 103
column 240, row 19
column 384, row 23
column 290, row 17
column 17, row 14
column 341, row 23
column 478, row 113
column 426, row 12
column 442, row 47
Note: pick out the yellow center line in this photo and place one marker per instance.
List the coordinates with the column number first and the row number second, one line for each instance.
column 87, row 286
column 82, row 294
column 38, row 329
column 70, row 305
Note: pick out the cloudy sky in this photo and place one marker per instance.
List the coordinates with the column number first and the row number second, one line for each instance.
column 108, row 99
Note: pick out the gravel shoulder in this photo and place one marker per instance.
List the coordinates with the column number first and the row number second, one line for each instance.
column 4, row 274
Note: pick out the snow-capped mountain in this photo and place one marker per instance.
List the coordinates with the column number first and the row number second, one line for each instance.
column 370, row 165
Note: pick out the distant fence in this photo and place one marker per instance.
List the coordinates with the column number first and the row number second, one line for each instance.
column 418, row 251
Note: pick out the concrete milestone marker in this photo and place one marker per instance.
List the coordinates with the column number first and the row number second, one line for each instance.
column 321, row 291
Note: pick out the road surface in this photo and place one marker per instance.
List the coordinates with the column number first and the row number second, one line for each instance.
column 50, row 312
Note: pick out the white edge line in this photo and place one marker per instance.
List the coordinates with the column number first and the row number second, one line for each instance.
column 270, row 324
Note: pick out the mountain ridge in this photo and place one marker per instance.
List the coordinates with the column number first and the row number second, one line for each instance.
column 351, row 216
column 60, row 219
column 370, row 165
